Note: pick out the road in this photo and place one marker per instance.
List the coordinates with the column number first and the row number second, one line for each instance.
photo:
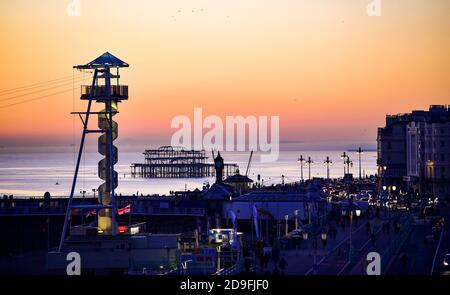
column 333, row 258
column 421, row 253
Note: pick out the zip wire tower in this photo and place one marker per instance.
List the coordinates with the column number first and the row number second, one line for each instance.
column 106, row 90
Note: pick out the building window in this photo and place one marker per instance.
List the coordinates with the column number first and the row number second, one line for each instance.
column 442, row 143
column 442, row 157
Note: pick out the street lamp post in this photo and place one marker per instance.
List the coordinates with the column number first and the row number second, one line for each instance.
column 286, row 217
column 348, row 163
column 315, row 255
column 309, row 162
column 389, row 189
column 314, row 237
column 218, row 258
column 357, row 213
column 278, row 228
column 328, row 162
column 360, row 152
column 296, row 219
column 184, row 266
column 304, row 235
column 350, row 251
column 168, row 257
column 301, row 160
column 324, row 238
column 381, row 175
column 344, row 157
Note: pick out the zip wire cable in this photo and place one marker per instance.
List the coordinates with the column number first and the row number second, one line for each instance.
column 35, row 85
column 37, row 91
column 33, row 99
column 36, row 98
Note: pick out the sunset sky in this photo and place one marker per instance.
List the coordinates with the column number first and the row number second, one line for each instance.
column 325, row 67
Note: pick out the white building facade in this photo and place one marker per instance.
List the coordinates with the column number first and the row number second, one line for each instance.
column 428, row 151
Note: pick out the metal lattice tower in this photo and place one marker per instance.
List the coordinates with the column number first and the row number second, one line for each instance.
column 105, row 89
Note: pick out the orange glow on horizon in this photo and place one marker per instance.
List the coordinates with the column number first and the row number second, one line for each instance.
column 327, row 69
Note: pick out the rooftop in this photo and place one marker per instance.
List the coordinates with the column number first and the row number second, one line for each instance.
column 106, row 59
column 237, row 178
column 270, row 196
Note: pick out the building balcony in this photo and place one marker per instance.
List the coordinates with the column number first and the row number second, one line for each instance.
column 117, row 92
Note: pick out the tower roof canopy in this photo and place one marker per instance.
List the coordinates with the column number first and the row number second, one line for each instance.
column 106, row 59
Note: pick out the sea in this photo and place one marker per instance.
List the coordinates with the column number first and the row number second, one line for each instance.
column 31, row 173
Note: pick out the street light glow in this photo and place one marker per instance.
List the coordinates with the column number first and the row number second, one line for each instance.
column 305, row 235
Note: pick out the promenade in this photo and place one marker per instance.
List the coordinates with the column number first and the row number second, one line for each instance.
column 344, row 255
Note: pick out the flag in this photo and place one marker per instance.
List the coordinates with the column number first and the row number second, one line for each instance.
column 255, row 220
column 124, row 210
column 91, row 212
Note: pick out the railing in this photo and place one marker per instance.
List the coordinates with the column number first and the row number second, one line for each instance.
column 61, row 210
column 173, row 211
column 33, row 211
column 117, row 91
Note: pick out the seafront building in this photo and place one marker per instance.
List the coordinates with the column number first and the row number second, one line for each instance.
column 414, row 152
